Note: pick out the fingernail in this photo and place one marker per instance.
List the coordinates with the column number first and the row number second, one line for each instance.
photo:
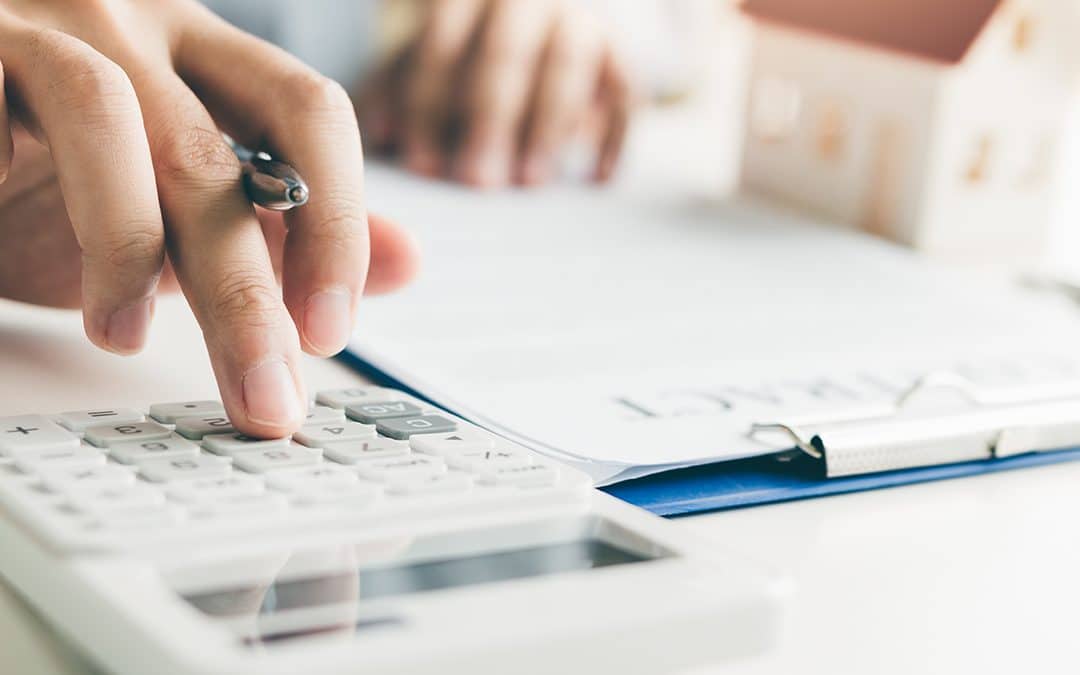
column 127, row 327
column 270, row 395
column 328, row 320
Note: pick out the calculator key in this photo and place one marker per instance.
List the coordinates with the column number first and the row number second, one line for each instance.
column 230, row 444
column 172, row 446
column 242, row 505
column 78, row 457
column 490, row 459
column 318, row 435
column 311, row 479
column 351, row 452
column 533, row 475
column 107, row 500
column 202, row 489
column 30, row 433
column 461, row 440
column 339, row 398
column 318, row 414
column 141, row 518
column 262, row 461
column 443, row 483
column 370, row 413
column 169, row 413
column 105, row 436
column 403, row 428
column 80, row 420
column 401, row 467
column 168, row 469
column 197, row 427
column 88, row 478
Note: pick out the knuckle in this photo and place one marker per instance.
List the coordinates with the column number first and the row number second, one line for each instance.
column 315, row 94
column 196, row 155
column 345, row 220
column 139, row 245
column 246, row 299
column 84, row 78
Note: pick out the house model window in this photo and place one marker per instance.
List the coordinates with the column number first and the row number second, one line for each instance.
column 1022, row 32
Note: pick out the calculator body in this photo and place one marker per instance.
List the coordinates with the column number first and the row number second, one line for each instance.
column 533, row 579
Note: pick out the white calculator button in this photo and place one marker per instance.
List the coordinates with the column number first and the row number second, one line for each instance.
column 359, row 495
column 108, row 500
column 339, row 398
column 167, row 469
column 321, row 413
column 231, row 444
column 172, row 446
column 29, row 433
column 490, row 459
column 443, row 483
column 311, row 479
column 370, row 413
column 78, row 457
column 242, row 505
column 318, row 435
column 262, row 461
column 202, row 489
column 79, row 420
column 88, row 478
column 532, row 476
column 141, row 518
column 401, row 467
column 197, row 427
column 461, row 440
column 104, row 436
column 168, row 413
column 351, row 452
column 402, row 428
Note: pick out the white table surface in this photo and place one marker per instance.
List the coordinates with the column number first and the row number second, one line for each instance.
column 973, row 575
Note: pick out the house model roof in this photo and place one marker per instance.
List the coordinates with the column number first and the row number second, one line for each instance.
column 941, row 30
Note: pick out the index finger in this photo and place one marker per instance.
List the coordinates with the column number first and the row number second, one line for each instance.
column 309, row 121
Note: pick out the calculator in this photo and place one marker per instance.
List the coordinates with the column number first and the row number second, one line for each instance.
column 386, row 536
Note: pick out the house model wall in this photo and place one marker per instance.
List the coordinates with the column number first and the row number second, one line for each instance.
column 933, row 123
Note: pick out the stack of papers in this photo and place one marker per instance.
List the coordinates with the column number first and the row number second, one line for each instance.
column 632, row 330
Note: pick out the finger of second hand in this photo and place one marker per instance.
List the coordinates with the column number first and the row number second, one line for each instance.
column 568, row 77
column 308, row 121
column 428, row 80
column 500, row 79
column 221, row 260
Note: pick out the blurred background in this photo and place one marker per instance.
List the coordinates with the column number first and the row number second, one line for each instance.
column 950, row 127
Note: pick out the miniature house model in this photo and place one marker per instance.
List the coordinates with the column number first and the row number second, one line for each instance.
column 931, row 122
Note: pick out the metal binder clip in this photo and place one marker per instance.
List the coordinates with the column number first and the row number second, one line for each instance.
column 961, row 426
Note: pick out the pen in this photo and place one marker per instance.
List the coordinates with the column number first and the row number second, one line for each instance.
column 270, row 183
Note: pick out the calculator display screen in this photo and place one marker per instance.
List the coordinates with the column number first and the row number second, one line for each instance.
column 417, row 577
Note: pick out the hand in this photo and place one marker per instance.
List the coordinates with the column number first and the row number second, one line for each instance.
column 490, row 90
column 119, row 185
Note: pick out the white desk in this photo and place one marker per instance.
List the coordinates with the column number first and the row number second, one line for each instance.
column 973, row 575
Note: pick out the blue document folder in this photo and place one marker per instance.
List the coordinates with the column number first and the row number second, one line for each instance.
column 768, row 479
column 789, row 476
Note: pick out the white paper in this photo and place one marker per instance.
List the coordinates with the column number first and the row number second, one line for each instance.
column 633, row 329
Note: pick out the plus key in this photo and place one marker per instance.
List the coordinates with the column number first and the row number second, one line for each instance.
column 29, row 434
